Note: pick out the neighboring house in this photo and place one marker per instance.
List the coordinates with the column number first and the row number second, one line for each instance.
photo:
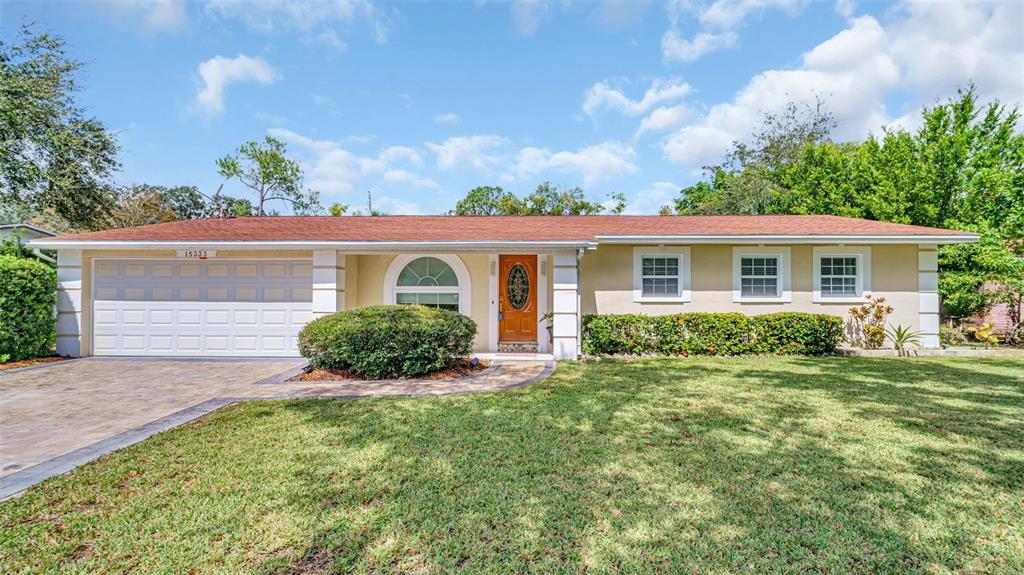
column 998, row 315
column 25, row 232
column 246, row 286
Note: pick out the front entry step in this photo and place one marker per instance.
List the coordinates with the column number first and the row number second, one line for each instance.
column 517, row 347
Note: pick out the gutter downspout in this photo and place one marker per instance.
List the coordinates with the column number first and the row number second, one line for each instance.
column 579, row 304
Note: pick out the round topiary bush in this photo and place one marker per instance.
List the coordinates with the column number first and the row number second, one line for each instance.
column 387, row 341
column 28, row 293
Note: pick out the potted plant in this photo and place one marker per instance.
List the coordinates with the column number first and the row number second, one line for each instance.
column 551, row 328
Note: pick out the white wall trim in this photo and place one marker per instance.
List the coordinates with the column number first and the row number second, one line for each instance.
column 683, row 253
column 69, row 303
column 928, row 296
column 542, row 303
column 785, row 285
column 465, row 289
column 492, row 306
column 863, row 255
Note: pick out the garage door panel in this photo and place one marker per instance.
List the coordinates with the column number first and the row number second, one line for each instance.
column 176, row 308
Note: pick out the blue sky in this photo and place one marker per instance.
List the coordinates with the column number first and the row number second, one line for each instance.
column 421, row 102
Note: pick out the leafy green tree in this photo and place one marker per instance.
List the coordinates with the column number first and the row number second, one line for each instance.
column 264, row 168
column 52, row 156
column 337, row 209
column 546, row 200
column 550, row 200
column 489, row 201
column 618, row 203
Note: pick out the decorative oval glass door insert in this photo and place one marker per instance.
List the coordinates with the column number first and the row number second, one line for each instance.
column 517, row 286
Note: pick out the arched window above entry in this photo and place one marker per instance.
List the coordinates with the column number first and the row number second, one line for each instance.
column 439, row 281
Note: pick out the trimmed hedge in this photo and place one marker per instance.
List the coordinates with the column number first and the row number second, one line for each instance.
column 387, row 341
column 712, row 334
column 28, row 294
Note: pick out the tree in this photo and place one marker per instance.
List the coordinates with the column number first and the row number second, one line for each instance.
column 337, row 209
column 53, row 157
column 546, row 200
column 489, row 201
column 753, row 176
column 143, row 204
column 139, row 206
column 264, row 168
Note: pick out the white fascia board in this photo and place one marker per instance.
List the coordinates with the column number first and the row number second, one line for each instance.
column 368, row 246
column 786, row 239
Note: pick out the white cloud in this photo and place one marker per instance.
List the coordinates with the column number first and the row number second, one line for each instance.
column 397, row 176
column 675, row 48
column 594, row 163
column 662, row 119
column 479, row 152
column 602, row 96
column 398, row 154
column 332, row 170
column 845, row 8
column 650, row 199
column 314, row 20
column 527, row 14
column 219, row 72
column 448, row 118
column 396, row 207
column 924, row 51
column 155, row 15
column 718, row 22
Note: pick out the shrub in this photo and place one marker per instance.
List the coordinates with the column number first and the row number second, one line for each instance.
column 28, row 293
column 868, row 321
column 799, row 333
column 711, row 334
column 387, row 341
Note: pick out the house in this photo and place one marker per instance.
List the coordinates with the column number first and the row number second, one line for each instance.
column 25, row 232
column 246, row 286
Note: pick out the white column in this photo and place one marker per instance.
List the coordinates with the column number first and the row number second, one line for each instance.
column 492, row 306
column 565, row 305
column 928, row 296
column 328, row 282
column 69, row 302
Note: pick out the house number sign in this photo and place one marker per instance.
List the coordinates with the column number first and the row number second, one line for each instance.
column 197, row 254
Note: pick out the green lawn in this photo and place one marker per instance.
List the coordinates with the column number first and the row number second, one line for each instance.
column 793, row 465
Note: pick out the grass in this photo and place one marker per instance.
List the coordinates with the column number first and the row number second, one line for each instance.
column 788, row 465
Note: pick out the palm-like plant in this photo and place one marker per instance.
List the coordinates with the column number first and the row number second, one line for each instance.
column 901, row 338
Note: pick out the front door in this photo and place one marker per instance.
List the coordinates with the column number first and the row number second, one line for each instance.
column 517, row 299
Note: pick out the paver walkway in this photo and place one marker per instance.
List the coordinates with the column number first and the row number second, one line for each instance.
column 55, row 417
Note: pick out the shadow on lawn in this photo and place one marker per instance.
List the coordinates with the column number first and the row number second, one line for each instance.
column 658, row 467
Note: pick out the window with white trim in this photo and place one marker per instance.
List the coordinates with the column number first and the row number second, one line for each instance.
column 759, row 276
column 842, row 274
column 661, row 274
column 428, row 281
column 838, row 276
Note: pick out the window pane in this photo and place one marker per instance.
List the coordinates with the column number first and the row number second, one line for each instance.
column 759, row 266
column 759, row 287
column 660, row 266
column 449, row 301
column 428, row 271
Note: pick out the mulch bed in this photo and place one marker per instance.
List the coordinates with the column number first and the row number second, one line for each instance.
column 461, row 368
column 32, row 361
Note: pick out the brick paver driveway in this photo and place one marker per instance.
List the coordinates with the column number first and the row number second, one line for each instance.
column 56, row 417
column 52, row 410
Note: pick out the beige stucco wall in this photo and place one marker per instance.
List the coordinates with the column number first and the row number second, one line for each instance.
column 607, row 283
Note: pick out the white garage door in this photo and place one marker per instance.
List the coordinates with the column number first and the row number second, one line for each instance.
column 200, row 308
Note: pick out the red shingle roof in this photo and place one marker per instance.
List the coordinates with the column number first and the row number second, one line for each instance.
column 498, row 228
